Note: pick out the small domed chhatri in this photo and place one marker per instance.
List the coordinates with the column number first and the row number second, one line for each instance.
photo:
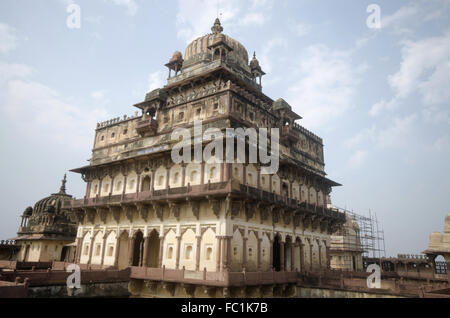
column 46, row 229
column 199, row 48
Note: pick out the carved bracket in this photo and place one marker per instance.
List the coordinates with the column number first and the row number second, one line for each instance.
column 142, row 211
column 159, row 211
column 175, row 209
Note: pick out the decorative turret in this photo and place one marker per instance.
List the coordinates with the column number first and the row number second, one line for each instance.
column 256, row 70
column 217, row 27
column 175, row 63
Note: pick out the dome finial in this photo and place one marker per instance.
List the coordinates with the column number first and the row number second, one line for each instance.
column 217, row 27
column 62, row 190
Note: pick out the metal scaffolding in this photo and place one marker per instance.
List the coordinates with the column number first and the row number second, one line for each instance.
column 370, row 237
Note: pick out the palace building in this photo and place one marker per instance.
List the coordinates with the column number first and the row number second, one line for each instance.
column 205, row 227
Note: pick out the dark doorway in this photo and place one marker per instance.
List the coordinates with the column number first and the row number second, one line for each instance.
column 276, row 254
column 145, row 184
column 153, row 252
column 64, row 253
column 138, row 249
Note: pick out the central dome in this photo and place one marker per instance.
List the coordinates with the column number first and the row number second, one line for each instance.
column 198, row 48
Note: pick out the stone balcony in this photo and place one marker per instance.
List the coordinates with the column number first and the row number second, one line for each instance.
column 147, row 127
column 288, row 134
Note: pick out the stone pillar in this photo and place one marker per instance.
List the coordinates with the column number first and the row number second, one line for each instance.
column 219, row 254
column 320, row 254
column 225, row 253
column 259, row 254
column 302, row 257
column 311, row 256
column 202, row 173
column 131, row 251
column 167, row 178
column 88, row 189
column 177, row 260
column 292, row 257
column 100, row 187
column 271, row 255
column 124, row 184
column 270, row 183
column 197, row 253
column 145, row 256
column 91, row 248
column 244, row 253
column 138, row 183
column 111, row 188
column 152, row 186
column 183, row 175
column 281, row 256
column 103, row 250
column 79, row 250
column 116, row 252
column 244, row 174
column 222, row 171
column 161, row 250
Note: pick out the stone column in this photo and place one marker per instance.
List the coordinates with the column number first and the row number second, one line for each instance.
column 222, row 171
column 202, row 173
column 244, row 253
column 320, row 254
column 225, row 253
column 271, row 255
column 144, row 258
column 177, row 260
column 310, row 256
column 78, row 250
column 244, row 174
column 116, row 252
column 131, row 251
column 103, row 250
column 302, row 257
column 161, row 250
column 219, row 254
column 259, row 254
column 167, row 178
column 197, row 253
column 91, row 248
column 152, row 186
column 124, row 184
column 138, row 183
column 292, row 257
column 281, row 256
column 183, row 175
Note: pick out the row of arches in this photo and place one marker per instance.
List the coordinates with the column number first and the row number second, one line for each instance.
column 171, row 251
column 176, row 176
column 249, row 175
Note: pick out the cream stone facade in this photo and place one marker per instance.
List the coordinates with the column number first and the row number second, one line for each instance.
column 145, row 211
column 346, row 248
column 439, row 244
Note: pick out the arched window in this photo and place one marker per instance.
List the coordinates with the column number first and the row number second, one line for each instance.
column 208, row 253
column 193, row 176
column 249, row 179
column 250, row 252
column 176, row 176
column 188, row 252
column 181, row 116
column 131, row 184
column 170, row 253
column 96, row 188
column 212, row 173
column 97, row 250
column 118, row 185
column 160, row 180
column 236, row 171
column 106, row 187
column 145, row 184
column 110, row 251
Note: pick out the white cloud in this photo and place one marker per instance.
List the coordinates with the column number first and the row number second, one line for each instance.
column 300, row 29
column 8, row 40
column 42, row 114
column 155, row 80
column 325, row 85
column 100, row 94
column 196, row 17
column 130, row 5
column 398, row 133
column 424, row 69
column 358, row 158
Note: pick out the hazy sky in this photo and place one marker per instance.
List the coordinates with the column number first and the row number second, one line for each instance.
column 378, row 97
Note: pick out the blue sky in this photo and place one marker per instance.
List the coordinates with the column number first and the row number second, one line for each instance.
column 378, row 97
